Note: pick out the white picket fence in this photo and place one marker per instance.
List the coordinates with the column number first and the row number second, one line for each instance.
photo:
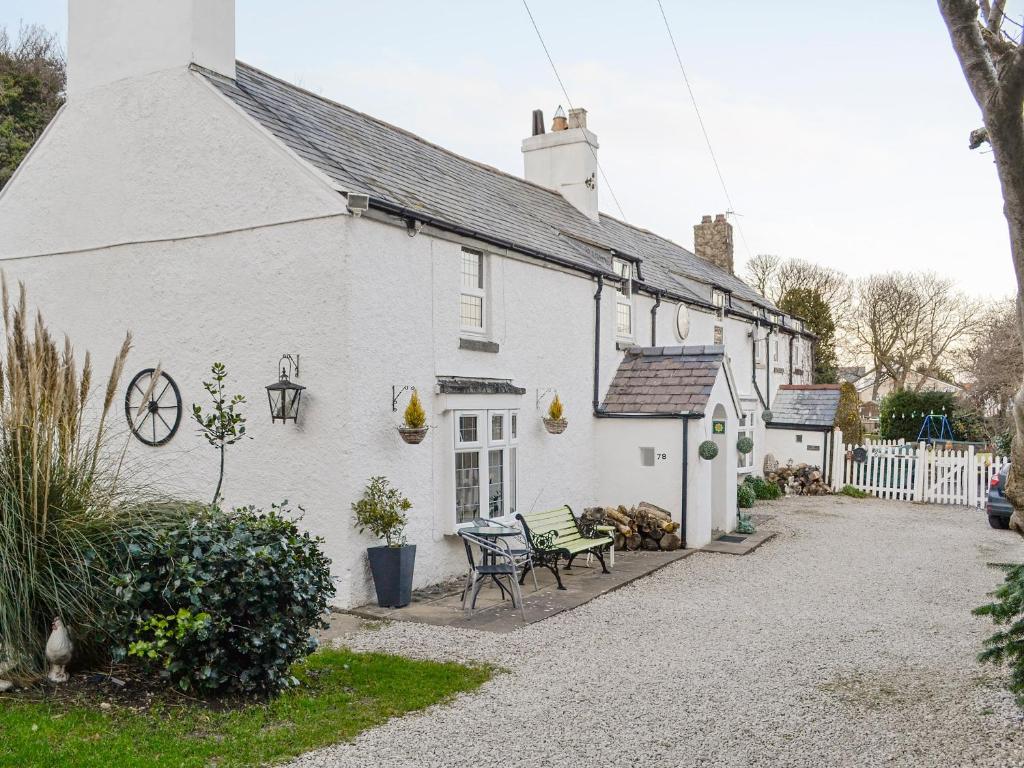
column 894, row 469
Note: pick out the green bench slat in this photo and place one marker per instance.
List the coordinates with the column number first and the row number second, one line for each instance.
column 568, row 537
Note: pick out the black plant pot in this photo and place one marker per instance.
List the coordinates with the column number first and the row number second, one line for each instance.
column 392, row 574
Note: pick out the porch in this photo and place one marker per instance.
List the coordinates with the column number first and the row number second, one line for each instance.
column 441, row 605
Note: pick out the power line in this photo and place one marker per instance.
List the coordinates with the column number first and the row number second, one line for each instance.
column 703, row 128
column 565, row 93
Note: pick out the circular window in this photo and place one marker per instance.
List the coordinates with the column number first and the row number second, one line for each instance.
column 682, row 322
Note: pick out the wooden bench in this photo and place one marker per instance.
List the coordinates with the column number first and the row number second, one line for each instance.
column 557, row 534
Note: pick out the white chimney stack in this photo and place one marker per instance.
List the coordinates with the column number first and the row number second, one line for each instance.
column 110, row 40
column 565, row 160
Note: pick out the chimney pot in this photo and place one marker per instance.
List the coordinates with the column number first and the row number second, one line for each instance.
column 538, row 122
column 705, row 219
column 578, row 118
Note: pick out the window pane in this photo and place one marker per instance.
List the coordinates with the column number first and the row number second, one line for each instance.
column 515, row 425
column 467, row 486
column 624, row 319
column 497, row 426
column 472, row 274
column 496, row 491
column 467, row 429
column 471, row 311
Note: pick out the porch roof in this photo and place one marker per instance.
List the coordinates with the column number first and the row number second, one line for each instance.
column 664, row 380
column 810, row 405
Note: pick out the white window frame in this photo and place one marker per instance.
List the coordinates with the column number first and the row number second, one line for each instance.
column 478, row 292
column 624, row 297
column 508, row 444
column 745, row 428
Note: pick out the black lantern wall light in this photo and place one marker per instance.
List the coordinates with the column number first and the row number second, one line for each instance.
column 284, row 394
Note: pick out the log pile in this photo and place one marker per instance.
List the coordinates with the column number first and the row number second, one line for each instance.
column 799, row 480
column 644, row 526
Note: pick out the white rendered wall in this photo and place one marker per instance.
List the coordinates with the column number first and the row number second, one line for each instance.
column 110, row 40
column 784, row 446
column 621, row 477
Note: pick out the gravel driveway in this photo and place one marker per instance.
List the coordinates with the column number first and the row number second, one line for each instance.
column 845, row 641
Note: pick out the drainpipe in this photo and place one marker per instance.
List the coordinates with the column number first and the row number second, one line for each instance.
column 597, row 343
column 753, row 364
column 768, row 365
column 654, row 319
column 686, row 475
column 792, row 338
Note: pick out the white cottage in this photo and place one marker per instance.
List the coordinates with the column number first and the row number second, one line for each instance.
column 222, row 214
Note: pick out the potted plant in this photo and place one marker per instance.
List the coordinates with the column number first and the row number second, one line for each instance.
column 555, row 422
column 382, row 511
column 414, row 425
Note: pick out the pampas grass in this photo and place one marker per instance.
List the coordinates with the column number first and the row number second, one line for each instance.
column 64, row 507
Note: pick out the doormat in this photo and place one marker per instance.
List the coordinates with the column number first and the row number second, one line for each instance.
column 731, row 539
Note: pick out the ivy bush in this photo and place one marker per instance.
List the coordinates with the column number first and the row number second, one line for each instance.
column 745, row 496
column 223, row 603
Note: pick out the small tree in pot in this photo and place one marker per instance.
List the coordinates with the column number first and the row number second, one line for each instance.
column 555, row 422
column 414, row 426
column 382, row 511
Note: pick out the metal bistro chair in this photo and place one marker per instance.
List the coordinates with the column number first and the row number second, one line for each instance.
column 520, row 549
column 496, row 562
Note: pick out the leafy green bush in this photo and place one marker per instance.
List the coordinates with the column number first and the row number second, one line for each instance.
column 744, row 524
column 848, row 415
column 764, row 490
column 223, row 603
column 1007, row 644
column 745, row 496
column 902, row 412
column 856, row 493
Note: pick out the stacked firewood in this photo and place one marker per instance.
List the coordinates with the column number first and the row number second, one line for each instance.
column 799, row 480
column 644, row 526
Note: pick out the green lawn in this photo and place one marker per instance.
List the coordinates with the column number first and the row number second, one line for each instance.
column 343, row 693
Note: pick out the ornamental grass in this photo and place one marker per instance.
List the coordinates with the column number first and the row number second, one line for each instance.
column 63, row 503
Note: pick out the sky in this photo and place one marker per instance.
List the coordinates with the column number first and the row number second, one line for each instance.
column 840, row 128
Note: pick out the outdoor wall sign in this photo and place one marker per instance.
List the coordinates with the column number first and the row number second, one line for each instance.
column 718, row 426
column 152, row 406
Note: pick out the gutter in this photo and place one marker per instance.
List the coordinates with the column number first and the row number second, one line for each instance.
column 654, row 319
column 406, row 213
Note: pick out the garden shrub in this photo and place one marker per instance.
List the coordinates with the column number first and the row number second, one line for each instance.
column 745, row 496
column 853, row 492
column 764, row 490
column 902, row 412
column 1007, row 644
column 224, row 603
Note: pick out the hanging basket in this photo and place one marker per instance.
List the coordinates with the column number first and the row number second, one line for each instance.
column 555, row 426
column 744, row 445
column 707, row 450
column 767, row 416
column 413, row 436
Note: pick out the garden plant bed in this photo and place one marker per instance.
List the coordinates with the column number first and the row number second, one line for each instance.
column 94, row 722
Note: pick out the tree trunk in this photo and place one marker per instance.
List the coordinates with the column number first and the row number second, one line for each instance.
column 220, row 477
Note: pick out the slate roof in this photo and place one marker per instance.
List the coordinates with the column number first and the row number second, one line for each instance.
column 810, row 405
column 366, row 155
column 664, row 379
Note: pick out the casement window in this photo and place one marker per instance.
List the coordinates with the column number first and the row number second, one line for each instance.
column 760, row 350
column 745, row 462
column 775, row 351
column 718, row 298
column 624, row 299
column 473, row 297
column 486, row 464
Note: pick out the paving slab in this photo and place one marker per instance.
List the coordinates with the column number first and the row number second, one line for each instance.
column 442, row 605
column 724, row 545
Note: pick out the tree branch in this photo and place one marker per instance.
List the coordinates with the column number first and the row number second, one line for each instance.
column 961, row 17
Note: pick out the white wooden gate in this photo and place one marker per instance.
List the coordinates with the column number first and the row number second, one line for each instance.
column 917, row 472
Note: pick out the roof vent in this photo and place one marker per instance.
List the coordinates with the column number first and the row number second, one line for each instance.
column 538, row 122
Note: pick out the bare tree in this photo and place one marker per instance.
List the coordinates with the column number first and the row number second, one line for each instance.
column 911, row 324
column 994, row 364
column 760, row 271
column 992, row 59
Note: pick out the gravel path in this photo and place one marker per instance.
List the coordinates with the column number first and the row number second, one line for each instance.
column 845, row 641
